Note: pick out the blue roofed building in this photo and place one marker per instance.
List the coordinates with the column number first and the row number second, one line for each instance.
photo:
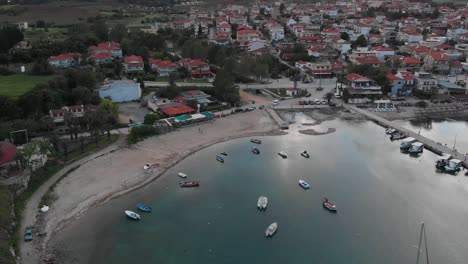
column 120, row 91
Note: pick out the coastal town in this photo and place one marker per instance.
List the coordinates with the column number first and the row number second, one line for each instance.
column 88, row 97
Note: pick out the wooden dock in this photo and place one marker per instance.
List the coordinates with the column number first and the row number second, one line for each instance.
column 429, row 144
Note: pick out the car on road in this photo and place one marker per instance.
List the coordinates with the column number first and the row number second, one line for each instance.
column 301, row 102
column 261, row 107
column 275, row 102
column 238, row 110
column 317, row 101
column 28, row 234
column 308, row 95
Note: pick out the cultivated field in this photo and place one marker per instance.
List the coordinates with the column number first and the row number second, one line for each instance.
column 17, row 85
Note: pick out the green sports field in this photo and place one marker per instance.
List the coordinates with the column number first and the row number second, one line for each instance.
column 19, row 84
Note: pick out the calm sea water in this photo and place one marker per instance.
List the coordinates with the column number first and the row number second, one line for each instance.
column 382, row 197
column 450, row 132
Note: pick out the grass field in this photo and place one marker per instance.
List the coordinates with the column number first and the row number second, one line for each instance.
column 6, row 7
column 17, row 85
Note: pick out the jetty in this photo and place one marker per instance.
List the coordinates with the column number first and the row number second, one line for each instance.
column 277, row 118
column 429, row 144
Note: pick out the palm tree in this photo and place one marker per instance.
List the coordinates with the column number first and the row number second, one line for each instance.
column 329, row 96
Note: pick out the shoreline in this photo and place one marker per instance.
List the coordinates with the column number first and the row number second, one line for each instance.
column 54, row 222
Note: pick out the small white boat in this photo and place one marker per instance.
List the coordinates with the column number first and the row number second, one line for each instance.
column 304, row 184
column 271, row 230
column 132, row 215
column 182, row 175
column 262, row 203
column 283, row 154
column 406, row 143
column 390, row 131
column 453, row 166
column 416, row 148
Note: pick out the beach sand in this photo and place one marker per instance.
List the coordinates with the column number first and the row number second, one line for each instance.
column 116, row 173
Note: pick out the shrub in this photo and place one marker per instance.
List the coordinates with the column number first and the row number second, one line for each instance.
column 140, row 133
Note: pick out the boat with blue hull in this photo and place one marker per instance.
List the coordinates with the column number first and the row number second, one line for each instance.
column 220, row 159
column 144, row 208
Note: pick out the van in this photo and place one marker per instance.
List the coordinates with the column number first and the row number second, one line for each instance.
column 275, row 102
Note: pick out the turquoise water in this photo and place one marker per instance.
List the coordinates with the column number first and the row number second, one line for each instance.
column 382, row 196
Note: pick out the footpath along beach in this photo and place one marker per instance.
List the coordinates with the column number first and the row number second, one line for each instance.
column 118, row 172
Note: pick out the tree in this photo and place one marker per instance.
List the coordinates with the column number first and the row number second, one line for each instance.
column 261, row 70
column 118, row 33
column 172, row 91
column 329, row 96
column 108, row 111
column 200, row 31
column 435, row 13
column 101, row 30
column 71, row 122
column 361, row 41
column 109, row 106
column 48, row 123
column 10, row 35
column 224, row 87
column 151, row 118
column 344, row 36
column 282, row 7
column 8, row 108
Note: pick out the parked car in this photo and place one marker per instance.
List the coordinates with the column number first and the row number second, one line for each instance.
column 301, row 102
column 237, row 110
column 308, row 95
column 261, row 107
column 332, row 104
column 275, row 102
column 28, row 234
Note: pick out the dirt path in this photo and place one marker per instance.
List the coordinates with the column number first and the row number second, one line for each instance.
column 30, row 251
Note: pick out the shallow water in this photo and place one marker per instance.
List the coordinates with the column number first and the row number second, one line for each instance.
column 382, row 196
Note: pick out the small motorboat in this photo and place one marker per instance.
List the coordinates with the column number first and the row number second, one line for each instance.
column 283, row 154
column 132, row 215
column 305, row 154
column 271, row 230
column 453, row 166
column 262, row 203
column 189, row 183
column 256, row 141
column 223, row 153
column 329, row 205
column 390, row 131
column 304, row 184
column 397, row 136
column 144, row 208
column 182, row 175
column 255, row 151
column 150, row 166
column 220, row 159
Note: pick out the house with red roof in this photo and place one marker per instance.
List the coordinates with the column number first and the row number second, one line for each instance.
column 356, row 88
column 163, row 68
column 65, row 60
column 321, row 69
column 292, row 92
column 112, row 47
column 437, row 62
column 246, row 35
column 307, row 40
column 134, row 63
column 182, row 24
column 330, row 32
column 382, row 52
column 402, row 83
column 419, row 52
column 410, row 64
column 78, row 111
column 409, row 36
column 197, row 68
column 101, row 58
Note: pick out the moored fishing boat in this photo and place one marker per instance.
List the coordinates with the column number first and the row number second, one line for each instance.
column 329, row 205
column 390, row 131
column 397, row 136
column 220, row 159
column 416, row 148
column 406, row 143
column 150, row 166
column 271, row 230
column 132, row 215
column 256, row 141
column 189, row 183
column 144, row 208
column 305, row 154
column 255, row 151
column 262, row 202
column 304, row 184
column 224, row 153
column 182, row 175
column 453, row 166
column 283, row 154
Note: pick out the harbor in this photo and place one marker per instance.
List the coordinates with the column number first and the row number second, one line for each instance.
column 202, row 225
column 429, row 144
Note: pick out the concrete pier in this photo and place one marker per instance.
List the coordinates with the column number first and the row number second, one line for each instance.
column 428, row 143
column 281, row 123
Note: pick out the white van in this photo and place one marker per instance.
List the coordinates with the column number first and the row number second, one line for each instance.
column 275, row 102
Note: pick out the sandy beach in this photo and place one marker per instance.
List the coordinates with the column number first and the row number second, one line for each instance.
column 117, row 172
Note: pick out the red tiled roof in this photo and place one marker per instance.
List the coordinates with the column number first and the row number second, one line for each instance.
column 106, row 46
column 292, row 89
column 102, row 55
column 178, row 110
column 353, row 76
column 133, row 59
column 246, row 31
column 410, row 60
column 381, row 48
column 201, row 72
column 66, row 56
column 163, row 64
column 392, row 77
column 439, row 56
column 7, row 152
column 330, row 30
column 308, row 38
column 368, row 60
